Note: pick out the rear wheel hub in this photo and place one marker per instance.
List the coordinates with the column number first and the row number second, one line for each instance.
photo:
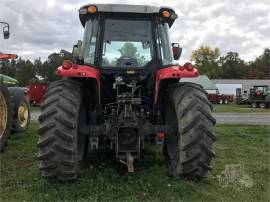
column 23, row 114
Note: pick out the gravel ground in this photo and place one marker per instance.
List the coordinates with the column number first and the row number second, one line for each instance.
column 243, row 118
column 222, row 118
column 34, row 115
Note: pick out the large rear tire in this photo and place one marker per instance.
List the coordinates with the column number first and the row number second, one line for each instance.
column 189, row 150
column 61, row 149
column 5, row 115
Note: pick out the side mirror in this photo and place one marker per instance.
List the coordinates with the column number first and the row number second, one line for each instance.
column 176, row 51
column 77, row 52
column 6, row 32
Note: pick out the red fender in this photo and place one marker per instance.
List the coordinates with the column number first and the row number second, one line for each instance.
column 8, row 56
column 68, row 69
column 174, row 72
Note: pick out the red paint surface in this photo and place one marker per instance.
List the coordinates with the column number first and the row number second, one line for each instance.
column 160, row 136
column 174, row 72
column 82, row 71
column 7, row 56
column 215, row 98
column 36, row 93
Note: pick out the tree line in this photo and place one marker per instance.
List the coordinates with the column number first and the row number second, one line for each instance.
column 26, row 71
column 230, row 66
column 207, row 60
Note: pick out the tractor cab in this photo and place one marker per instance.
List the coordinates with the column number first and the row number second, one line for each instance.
column 127, row 39
column 259, row 91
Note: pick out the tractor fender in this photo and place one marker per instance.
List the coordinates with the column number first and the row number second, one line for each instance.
column 175, row 72
column 71, row 70
column 19, row 91
column 82, row 71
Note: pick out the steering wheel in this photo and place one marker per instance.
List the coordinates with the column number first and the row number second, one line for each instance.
column 125, row 57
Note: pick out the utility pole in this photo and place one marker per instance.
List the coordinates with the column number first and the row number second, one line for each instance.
column 267, row 54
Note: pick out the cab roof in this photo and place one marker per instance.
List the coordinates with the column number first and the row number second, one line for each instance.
column 125, row 8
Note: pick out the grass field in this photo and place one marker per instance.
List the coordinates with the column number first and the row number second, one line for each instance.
column 245, row 148
column 35, row 109
column 232, row 107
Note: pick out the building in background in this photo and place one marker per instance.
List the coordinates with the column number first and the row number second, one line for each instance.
column 204, row 81
column 228, row 86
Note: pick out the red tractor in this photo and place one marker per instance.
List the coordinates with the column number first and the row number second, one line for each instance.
column 123, row 89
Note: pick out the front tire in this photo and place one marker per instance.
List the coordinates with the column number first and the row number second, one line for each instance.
column 59, row 146
column 189, row 151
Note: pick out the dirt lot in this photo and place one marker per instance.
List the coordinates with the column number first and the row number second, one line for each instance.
column 240, row 173
column 243, row 118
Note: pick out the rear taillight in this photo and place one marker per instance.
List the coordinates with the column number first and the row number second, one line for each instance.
column 67, row 64
column 188, row 66
column 160, row 136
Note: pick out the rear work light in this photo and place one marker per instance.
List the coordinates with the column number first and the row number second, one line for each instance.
column 83, row 11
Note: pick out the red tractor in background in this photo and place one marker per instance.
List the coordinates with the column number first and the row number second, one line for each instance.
column 259, row 96
column 123, row 89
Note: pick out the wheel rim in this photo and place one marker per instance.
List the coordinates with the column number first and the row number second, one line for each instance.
column 23, row 114
column 3, row 111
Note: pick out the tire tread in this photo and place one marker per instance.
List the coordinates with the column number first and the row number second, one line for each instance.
column 57, row 144
column 195, row 128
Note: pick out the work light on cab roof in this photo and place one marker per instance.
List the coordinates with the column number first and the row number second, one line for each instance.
column 164, row 12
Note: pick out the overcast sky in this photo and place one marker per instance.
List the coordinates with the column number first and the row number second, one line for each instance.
column 39, row 28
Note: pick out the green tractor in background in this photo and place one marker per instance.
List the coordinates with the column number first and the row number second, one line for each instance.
column 14, row 104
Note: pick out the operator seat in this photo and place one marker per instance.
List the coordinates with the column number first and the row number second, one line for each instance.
column 127, row 61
